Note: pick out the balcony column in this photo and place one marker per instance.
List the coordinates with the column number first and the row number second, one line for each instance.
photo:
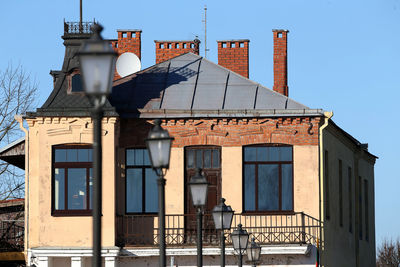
column 76, row 262
column 43, row 261
column 110, row 261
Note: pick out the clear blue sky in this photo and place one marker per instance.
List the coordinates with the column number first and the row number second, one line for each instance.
column 343, row 56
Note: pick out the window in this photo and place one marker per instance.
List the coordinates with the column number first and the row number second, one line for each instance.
column 360, row 230
column 350, row 188
column 366, row 210
column 141, row 182
column 326, row 169
column 268, row 178
column 203, row 158
column 340, row 194
column 76, row 84
column 72, row 180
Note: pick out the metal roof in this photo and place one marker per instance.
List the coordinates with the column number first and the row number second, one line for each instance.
column 190, row 84
column 185, row 86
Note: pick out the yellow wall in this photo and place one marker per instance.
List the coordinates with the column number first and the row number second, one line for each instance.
column 44, row 229
column 340, row 243
column 47, row 230
column 305, row 180
column 174, row 187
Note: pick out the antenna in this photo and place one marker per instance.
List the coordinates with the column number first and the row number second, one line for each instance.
column 205, row 31
column 80, row 17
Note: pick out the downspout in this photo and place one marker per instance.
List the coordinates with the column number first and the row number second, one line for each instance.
column 327, row 116
column 19, row 119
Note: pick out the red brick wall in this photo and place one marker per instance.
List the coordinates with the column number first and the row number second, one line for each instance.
column 169, row 49
column 128, row 41
column 280, row 62
column 234, row 55
column 226, row 132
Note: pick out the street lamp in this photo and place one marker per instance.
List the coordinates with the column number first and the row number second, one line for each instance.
column 158, row 144
column 253, row 252
column 97, row 66
column 198, row 188
column 240, row 238
column 222, row 216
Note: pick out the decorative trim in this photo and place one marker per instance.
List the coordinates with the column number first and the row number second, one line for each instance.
column 150, row 252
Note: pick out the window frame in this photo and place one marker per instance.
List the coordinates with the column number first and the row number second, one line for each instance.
column 70, row 76
column 350, row 198
column 366, row 207
column 203, row 147
column 70, row 165
column 143, row 168
column 256, row 163
column 340, row 174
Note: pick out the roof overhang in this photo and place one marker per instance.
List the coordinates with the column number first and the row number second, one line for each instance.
column 251, row 113
column 14, row 153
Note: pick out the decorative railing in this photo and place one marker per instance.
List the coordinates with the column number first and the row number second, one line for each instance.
column 78, row 27
column 11, row 235
column 180, row 230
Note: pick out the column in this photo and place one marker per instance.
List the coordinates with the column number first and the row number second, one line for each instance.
column 110, row 261
column 43, row 261
column 76, row 262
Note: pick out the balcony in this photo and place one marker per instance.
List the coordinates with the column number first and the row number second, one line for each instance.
column 142, row 230
column 11, row 236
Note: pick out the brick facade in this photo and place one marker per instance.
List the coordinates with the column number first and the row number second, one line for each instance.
column 280, row 62
column 234, row 55
column 169, row 49
column 227, row 132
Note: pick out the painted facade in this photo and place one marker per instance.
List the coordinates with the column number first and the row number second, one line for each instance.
column 275, row 161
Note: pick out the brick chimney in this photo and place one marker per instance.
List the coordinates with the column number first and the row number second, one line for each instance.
column 128, row 41
column 280, row 62
column 234, row 55
column 169, row 49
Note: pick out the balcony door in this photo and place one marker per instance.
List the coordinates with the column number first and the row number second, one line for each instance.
column 208, row 158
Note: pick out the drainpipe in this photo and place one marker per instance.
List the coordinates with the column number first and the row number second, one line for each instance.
column 19, row 119
column 327, row 116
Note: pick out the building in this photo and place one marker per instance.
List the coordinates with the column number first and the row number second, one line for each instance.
column 297, row 181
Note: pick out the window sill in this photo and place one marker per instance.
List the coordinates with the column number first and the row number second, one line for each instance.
column 71, row 213
column 268, row 212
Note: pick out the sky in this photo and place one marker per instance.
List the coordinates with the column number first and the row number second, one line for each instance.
column 343, row 56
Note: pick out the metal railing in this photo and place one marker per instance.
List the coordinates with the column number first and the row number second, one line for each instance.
column 11, row 235
column 77, row 27
column 180, row 229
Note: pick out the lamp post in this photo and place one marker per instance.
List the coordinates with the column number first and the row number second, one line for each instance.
column 198, row 188
column 97, row 66
column 222, row 216
column 158, row 144
column 240, row 238
column 253, row 252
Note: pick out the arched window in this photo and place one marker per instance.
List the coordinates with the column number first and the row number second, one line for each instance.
column 268, row 178
column 72, row 179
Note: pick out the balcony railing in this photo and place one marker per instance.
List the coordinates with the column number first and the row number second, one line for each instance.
column 71, row 28
column 11, row 236
column 180, row 230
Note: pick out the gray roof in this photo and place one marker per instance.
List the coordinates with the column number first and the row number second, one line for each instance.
column 59, row 102
column 189, row 84
column 185, row 86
